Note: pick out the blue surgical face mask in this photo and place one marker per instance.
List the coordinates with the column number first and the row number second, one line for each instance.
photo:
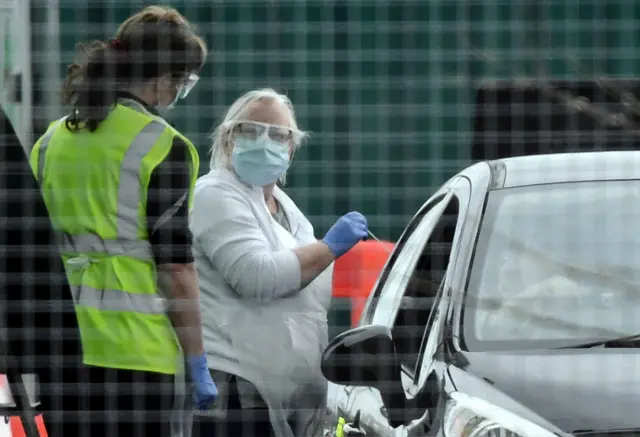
column 259, row 161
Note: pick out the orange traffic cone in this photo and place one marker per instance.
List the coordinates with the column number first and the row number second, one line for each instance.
column 356, row 272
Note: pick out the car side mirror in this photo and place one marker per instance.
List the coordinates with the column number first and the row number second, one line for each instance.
column 366, row 357
column 360, row 357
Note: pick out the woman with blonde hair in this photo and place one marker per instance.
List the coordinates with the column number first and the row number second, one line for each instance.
column 265, row 280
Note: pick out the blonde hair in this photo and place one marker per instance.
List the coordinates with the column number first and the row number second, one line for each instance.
column 222, row 146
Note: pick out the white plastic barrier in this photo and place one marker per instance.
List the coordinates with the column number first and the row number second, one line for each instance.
column 5, row 398
column 13, row 423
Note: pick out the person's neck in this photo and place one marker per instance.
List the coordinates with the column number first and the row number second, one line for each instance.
column 268, row 192
column 142, row 94
column 269, row 200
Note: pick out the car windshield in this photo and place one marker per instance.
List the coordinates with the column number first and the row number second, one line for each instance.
column 556, row 264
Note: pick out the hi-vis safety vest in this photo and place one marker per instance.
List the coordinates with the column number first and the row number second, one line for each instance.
column 95, row 188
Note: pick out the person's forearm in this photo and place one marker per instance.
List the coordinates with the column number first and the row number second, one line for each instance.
column 314, row 259
column 179, row 282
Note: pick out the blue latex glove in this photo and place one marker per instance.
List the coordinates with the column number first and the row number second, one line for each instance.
column 205, row 391
column 346, row 233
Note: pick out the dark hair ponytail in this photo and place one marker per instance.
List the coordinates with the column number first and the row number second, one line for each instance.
column 155, row 42
column 89, row 88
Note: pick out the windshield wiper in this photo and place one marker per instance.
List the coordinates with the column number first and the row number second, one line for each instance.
column 629, row 341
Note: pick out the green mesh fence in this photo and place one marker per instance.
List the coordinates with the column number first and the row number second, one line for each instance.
column 386, row 87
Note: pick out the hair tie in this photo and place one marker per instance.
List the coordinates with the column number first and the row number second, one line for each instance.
column 115, row 44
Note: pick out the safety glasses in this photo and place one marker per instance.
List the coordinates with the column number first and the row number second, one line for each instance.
column 188, row 84
column 256, row 130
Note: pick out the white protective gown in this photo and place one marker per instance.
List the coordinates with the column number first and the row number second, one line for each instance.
column 262, row 328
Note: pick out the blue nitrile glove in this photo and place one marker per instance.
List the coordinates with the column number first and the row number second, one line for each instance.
column 346, row 233
column 205, row 391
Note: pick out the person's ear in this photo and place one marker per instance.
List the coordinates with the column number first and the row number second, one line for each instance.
column 229, row 140
column 164, row 82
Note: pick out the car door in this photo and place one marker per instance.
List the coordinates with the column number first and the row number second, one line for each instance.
column 392, row 303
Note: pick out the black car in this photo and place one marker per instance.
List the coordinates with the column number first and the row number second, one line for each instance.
column 509, row 308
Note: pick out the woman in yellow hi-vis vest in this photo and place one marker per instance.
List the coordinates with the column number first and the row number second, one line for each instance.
column 118, row 180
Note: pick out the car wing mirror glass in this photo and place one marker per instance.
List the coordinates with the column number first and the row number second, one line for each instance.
column 366, row 357
column 361, row 356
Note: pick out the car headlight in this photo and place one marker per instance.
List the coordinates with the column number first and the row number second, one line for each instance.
column 468, row 416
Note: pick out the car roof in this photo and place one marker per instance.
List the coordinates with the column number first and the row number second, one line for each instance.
column 565, row 167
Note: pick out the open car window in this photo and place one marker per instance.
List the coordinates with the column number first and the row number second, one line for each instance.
column 388, row 295
column 408, row 297
column 388, row 280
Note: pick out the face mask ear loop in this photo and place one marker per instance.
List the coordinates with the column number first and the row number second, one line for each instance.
column 227, row 137
column 293, row 155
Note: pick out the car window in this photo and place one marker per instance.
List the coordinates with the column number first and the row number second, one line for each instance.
column 412, row 292
column 556, row 265
column 426, row 276
column 385, row 288
column 429, row 345
column 395, row 278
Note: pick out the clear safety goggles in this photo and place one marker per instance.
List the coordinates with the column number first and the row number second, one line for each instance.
column 187, row 85
column 255, row 130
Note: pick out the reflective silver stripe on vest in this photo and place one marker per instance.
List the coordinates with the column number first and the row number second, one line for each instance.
column 116, row 300
column 129, row 191
column 44, row 144
column 167, row 215
column 91, row 243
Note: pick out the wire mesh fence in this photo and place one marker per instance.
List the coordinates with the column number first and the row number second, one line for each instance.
column 398, row 95
column 386, row 88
